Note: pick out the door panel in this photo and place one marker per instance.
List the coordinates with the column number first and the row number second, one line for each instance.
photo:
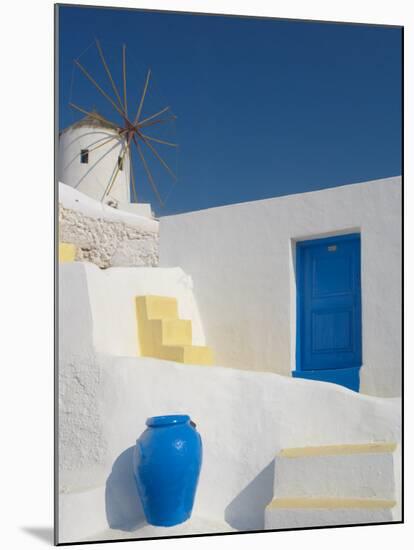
column 328, row 276
column 331, row 331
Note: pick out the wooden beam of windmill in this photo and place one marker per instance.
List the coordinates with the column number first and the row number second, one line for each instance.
column 152, row 116
column 141, row 103
column 111, row 182
column 108, row 72
column 115, row 174
column 147, row 170
column 134, row 187
column 106, row 141
column 155, row 152
column 124, row 78
column 93, row 81
column 158, row 140
column 157, row 121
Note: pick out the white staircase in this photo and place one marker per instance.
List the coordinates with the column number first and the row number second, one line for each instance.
column 332, row 485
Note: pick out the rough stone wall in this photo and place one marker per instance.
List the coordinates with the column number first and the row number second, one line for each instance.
column 107, row 243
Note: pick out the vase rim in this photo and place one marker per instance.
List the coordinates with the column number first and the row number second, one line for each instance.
column 167, row 419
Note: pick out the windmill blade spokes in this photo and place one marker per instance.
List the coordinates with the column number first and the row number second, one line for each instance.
column 158, row 140
column 134, row 187
column 147, row 170
column 157, row 121
column 108, row 72
column 94, row 115
column 115, row 174
column 141, row 103
column 103, row 143
column 124, row 78
column 93, row 81
column 159, row 158
column 152, row 116
column 95, row 164
column 111, row 182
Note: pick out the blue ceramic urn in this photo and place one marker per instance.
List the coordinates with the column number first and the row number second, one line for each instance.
column 167, row 462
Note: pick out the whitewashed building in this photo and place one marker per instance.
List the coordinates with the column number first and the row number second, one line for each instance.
column 244, row 262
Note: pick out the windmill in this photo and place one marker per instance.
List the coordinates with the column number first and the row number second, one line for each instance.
column 128, row 126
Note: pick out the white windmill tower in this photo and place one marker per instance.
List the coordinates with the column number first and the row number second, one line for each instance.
column 89, row 152
column 96, row 153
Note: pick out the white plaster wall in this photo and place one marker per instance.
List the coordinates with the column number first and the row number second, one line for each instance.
column 240, row 438
column 82, row 446
column 93, row 178
column 245, row 419
column 139, row 208
column 286, row 518
column 241, row 259
column 112, row 295
column 97, row 315
column 358, row 475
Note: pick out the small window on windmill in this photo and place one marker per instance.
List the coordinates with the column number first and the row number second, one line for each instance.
column 84, row 156
column 121, row 163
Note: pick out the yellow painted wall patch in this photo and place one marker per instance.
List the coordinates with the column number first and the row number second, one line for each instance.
column 67, row 252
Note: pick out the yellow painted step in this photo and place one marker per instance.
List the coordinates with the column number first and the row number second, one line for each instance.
column 165, row 332
column 198, row 355
column 67, row 252
column 157, row 307
column 347, row 449
column 158, row 324
column 330, row 503
column 190, row 355
column 162, row 334
column 174, row 332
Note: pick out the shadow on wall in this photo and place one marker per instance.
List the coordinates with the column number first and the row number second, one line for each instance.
column 123, row 505
column 246, row 512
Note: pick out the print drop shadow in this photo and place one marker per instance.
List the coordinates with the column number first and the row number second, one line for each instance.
column 123, row 506
column 247, row 510
column 44, row 534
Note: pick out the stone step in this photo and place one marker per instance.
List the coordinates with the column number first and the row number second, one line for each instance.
column 193, row 526
column 172, row 332
column 81, row 514
column 163, row 335
column 343, row 471
column 157, row 307
column 190, row 355
column 288, row 513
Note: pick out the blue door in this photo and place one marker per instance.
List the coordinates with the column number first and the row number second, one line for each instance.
column 329, row 340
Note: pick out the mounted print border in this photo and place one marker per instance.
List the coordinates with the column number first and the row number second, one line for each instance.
column 229, row 251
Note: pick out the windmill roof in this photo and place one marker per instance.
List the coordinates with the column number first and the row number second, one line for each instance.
column 88, row 121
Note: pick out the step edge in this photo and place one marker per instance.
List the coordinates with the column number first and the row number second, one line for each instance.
column 146, row 298
column 157, row 297
column 329, row 503
column 332, row 450
column 185, row 346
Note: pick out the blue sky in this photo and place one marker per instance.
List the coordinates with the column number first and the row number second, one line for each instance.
column 265, row 107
